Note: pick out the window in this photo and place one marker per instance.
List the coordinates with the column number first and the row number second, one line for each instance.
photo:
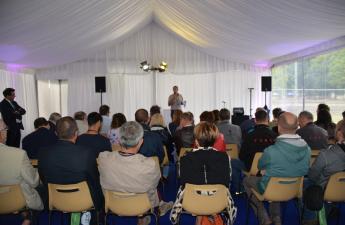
column 303, row 84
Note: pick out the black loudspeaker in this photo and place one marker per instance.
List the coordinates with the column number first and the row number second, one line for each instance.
column 266, row 83
column 239, row 119
column 100, row 84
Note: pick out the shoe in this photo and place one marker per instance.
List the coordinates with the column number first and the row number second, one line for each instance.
column 164, row 207
column 144, row 220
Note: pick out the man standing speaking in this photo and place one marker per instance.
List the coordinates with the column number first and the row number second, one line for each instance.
column 175, row 101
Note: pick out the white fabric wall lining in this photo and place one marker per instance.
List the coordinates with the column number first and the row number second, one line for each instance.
column 25, row 86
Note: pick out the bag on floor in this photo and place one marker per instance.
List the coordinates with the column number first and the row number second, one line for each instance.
column 212, row 220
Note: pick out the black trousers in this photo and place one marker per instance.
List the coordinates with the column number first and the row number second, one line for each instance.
column 13, row 137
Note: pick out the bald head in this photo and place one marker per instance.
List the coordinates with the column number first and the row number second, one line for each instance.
column 287, row 123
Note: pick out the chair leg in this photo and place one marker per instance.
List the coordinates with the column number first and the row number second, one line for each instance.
column 105, row 219
column 49, row 217
column 247, row 213
column 338, row 219
column 297, row 203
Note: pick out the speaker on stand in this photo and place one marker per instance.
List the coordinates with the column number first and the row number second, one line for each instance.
column 100, row 85
column 266, row 85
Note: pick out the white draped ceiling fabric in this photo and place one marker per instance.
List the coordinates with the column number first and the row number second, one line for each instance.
column 213, row 48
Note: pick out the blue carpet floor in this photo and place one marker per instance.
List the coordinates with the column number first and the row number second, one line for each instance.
column 290, row 216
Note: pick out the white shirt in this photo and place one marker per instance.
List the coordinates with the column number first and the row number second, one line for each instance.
column 175, row 101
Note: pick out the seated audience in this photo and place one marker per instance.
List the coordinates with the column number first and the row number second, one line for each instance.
column 248, row 126
column 324, row 120
column 41, row 137
column 92, row 139
column 232, row 133
column 257, row 140
column 68, row 163
column 128, row 171
column 53, row 118
column 274, row 123
column 155, row 109
column 322, row 106
column 184, row 137
column 330, row 160
column 116, row 123
column 104, row 110
column 216, row 116
column 204, row 165
column 80, row 119
column 15, row 168
column 275, row 113
column 219, row 144
column 157, row 125
column 153, row 145
column 315, row 136
column 343, row 114
column 175, row 121
column 288, row 157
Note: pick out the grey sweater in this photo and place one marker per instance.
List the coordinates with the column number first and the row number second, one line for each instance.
column 329, row 162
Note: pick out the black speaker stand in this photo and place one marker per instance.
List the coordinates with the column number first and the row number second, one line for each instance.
column 101, row 97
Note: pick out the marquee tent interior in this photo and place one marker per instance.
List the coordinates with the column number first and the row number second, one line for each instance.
column 215, row 50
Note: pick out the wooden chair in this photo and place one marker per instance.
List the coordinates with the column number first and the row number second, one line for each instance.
column 34, row 162
column 128, row 204
column 11, row 199
column 183, row 151
column 335, row 189
column 314, row 154
column 254, row 168
column 197, row 202
column 69, row 198
column 280, row 189
column 232, row 150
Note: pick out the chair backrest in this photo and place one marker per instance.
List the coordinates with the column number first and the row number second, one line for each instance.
column 335, row 189
column 315, row 153
column 126, row 204
column 233, row 150
column 183, row 151
column 165, row 159
column 116, row 147
column 70, row 197
column 281, row 189
column 11, row 199
column 204, row 199
column 254, row 168
column 34, row 162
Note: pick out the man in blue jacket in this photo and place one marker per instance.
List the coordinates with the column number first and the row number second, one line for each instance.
column 288, row 157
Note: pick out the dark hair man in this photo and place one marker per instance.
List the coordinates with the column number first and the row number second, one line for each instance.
column 152, row 145
column 12, row 116
column 68, row 163
column 92, row 139
column 41, row 137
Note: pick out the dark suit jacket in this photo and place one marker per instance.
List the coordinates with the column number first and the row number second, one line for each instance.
column 10, row 114
column 153, row 145
column 42, row 137
column 67, row 163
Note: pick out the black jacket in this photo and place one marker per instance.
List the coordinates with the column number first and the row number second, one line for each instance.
column 153, row 145
column 11, row 114
column 256, row 141
column 205, row 166
column 67, row 163
column 184, row 138
column 315, row 136
column 42, row 137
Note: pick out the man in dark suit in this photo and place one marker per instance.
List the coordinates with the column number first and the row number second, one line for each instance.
column 41, row 137
column 12, row 115
column 67, row 163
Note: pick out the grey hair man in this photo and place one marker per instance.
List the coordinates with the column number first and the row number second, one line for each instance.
column 232, row 133
column 315, row 136
column 128, row 171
